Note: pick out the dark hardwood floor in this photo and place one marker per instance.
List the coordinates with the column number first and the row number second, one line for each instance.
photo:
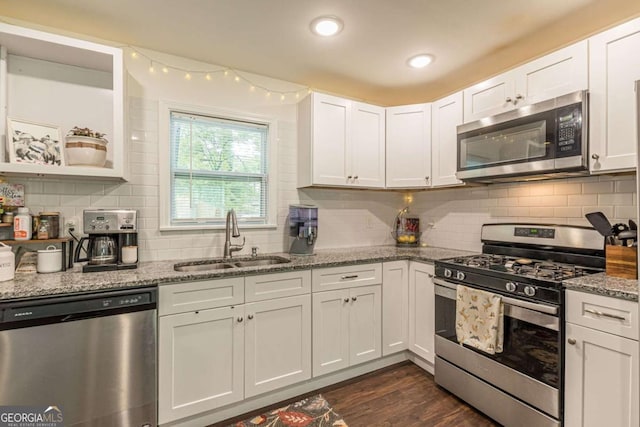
column 400, row 396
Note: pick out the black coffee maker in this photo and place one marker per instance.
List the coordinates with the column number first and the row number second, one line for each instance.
column 111, row 242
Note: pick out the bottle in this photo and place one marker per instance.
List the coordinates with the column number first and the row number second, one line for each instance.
column 22, row 225
column 43, row 229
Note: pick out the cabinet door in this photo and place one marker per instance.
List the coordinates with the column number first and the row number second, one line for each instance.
column 601, row 373
column 200, row 361
column 277, row 343
column 330, row 331
column 421, row 310
column 409, row 146
column 561, row 72
column 446, row 115
column 490, row 97
column 331, row 139
column 365, row 329
column 614, row 67
column 367, row 145
column 395, row 307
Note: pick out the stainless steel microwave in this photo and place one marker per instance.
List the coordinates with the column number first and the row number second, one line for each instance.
column 543, row 140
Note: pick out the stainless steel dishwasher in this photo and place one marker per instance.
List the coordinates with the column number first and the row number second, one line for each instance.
column 93, row 356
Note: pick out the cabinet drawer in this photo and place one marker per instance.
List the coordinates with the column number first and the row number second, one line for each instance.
column 184, row 297
column 324, row 279
column 276, row 285
column 612, row 315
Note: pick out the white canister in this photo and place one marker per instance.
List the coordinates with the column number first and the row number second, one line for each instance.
column 49, row 260
column 7, row 263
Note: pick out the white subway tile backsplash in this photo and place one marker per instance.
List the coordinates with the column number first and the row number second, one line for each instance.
column 615, row 199
column 597, row 187
column 582, row 200
column 625, row 186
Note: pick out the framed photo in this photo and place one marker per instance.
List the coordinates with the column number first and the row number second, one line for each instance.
column 34, row 143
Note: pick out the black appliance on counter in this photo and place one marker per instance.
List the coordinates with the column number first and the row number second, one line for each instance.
column 112, row 241
column 525, row 264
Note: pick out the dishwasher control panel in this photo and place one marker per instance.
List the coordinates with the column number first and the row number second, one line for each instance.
column 64, row 309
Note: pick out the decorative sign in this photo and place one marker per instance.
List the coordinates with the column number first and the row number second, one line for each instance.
column 13, row 194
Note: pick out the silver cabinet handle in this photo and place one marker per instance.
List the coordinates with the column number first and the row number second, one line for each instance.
column 426, row 178
column 571, row 341
column 240, row 319
column 355, row 177
column 595, row 156
column 430, row 275
column 349, row 177
column 352, row 276
column 346, row 299
column 508, row 99
column 250, row 316
column 354, row 299
column 519, row 96
column 601, row 314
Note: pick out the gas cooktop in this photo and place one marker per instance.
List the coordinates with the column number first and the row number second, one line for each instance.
column 524, row 267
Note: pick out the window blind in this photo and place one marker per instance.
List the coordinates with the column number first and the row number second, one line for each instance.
column 217, row 164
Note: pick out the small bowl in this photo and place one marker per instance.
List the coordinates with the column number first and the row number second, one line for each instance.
column 85, row 151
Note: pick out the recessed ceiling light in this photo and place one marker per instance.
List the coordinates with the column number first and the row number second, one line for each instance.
column 420, row 61
column 326, row 26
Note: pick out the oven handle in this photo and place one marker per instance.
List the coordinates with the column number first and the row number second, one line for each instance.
column 543, row 308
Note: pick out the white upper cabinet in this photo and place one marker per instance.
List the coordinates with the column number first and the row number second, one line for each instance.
column 61, row 82
column 367, row 145
column 614, row 68
column 558, row 73
column 340, row 142
column 446, row 115
column 409, row 146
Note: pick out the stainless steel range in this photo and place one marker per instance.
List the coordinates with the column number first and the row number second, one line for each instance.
column 525, row 265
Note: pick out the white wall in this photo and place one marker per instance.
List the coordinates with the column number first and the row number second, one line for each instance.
column 347, row 217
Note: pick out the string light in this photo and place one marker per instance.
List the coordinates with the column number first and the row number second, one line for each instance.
column 238, row 77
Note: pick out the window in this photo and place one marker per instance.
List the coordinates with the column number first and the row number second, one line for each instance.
column 217, row 163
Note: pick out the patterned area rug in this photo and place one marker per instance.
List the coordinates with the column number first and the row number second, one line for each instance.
column 313, row 411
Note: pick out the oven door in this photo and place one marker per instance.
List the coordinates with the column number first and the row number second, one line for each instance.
column 529, row 366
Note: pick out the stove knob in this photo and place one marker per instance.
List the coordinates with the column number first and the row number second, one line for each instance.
column 529, row 291
column 460, row 275
column 447, row 273
column 510, row 286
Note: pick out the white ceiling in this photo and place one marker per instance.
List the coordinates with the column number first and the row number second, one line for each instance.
column 470, row 39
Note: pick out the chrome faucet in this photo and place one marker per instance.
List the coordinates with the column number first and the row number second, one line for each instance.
column 232, row 231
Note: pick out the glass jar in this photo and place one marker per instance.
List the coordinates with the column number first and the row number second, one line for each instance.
column 43, row 229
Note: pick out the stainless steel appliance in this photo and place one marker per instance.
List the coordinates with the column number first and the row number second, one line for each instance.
column 109, row 231
column 93, row 356
column 547, row 139
column 303, row 228
column 525, row 265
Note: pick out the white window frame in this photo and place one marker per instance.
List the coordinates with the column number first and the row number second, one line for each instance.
column 164, row 158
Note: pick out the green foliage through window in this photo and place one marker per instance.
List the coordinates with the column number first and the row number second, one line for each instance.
column 217, row 164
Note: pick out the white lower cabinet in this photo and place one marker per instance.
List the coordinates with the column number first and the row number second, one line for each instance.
column 421, row 310
column 601, row 362
column 346, row 327
column 395, row 307
column 277, row 340
column 212, row 357
column 200, row 361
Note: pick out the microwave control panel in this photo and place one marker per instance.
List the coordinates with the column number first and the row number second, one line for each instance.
column 569, row 131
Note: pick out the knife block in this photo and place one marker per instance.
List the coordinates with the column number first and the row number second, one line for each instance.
column 622, row 261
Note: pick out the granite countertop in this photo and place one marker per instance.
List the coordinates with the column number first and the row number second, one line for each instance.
column 605, row 285
column 73, row 281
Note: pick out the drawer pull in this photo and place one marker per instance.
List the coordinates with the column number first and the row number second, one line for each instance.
column 352, row 276
column 346, row 299
column 571, row 341
column 601, row 314
column 354, row 299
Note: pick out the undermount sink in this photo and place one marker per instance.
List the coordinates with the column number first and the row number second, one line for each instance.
column 223, row 264
column 261, row 261
column 200, row 266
